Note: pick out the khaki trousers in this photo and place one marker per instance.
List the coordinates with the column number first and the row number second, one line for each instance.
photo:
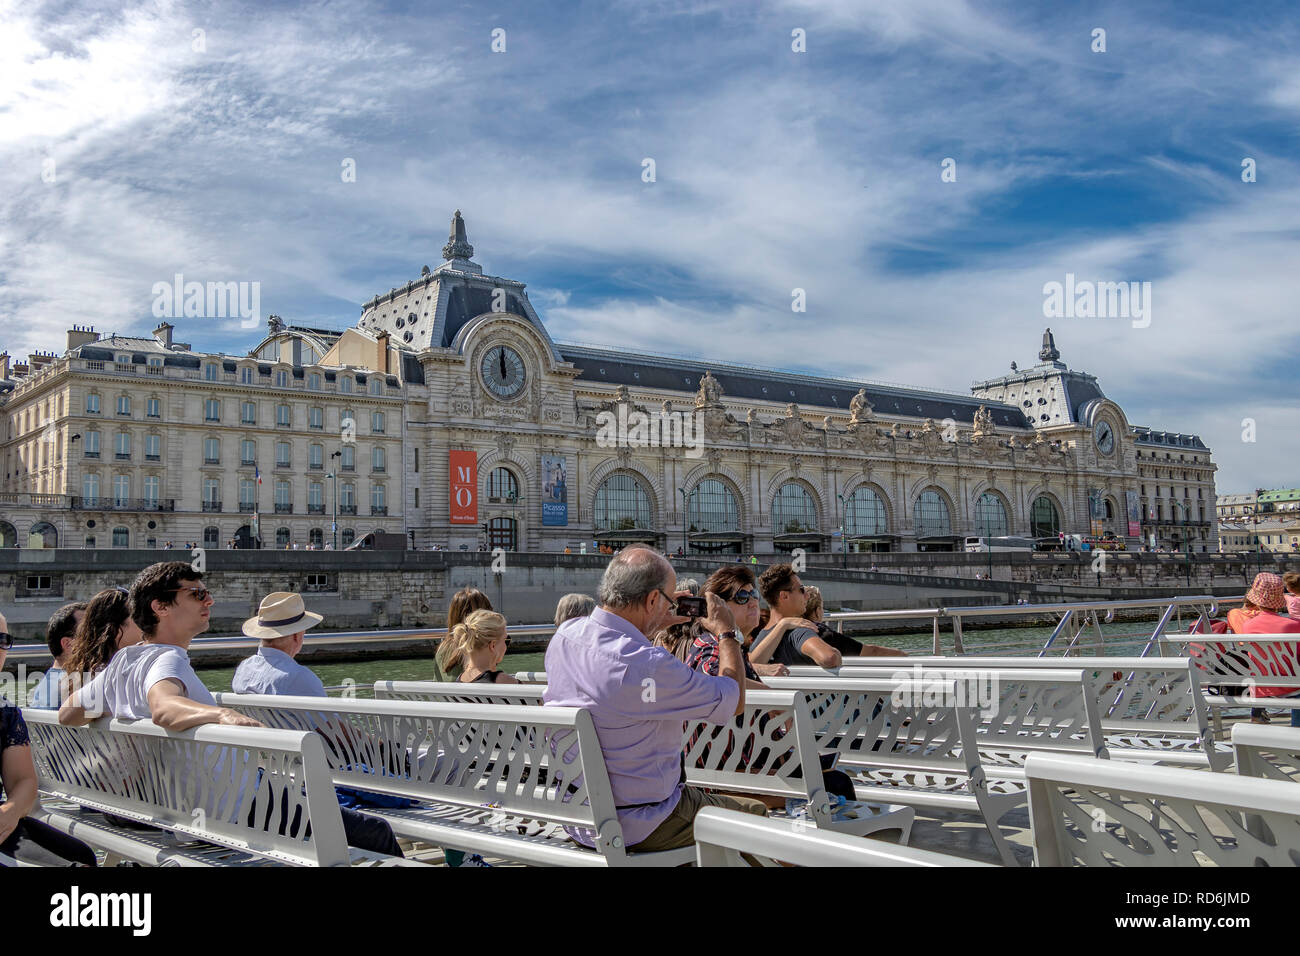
column 679, row 829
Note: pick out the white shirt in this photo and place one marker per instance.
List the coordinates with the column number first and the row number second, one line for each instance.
column 122, row 688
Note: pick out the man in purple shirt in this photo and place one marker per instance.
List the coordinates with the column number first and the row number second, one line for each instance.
column 639, row 696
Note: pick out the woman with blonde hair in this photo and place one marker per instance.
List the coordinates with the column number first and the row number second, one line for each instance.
column 463, row 603
column 477, row 645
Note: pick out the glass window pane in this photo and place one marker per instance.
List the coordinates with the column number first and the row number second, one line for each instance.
column 622, row 504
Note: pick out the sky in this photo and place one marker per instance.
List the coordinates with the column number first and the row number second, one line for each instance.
column 920, row 170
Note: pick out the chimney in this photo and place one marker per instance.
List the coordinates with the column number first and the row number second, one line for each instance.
column 4, row 366
column 81, row 335
column 164, row 334
column 19, row 370
column 381, row 352
column 38, row 360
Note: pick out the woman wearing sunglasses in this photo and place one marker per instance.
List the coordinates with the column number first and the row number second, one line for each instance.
column 23, row 839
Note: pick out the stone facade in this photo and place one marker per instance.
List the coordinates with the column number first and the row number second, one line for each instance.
column 705, row 456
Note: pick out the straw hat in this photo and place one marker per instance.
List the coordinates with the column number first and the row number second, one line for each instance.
column 1267, row 592
column 282, row 614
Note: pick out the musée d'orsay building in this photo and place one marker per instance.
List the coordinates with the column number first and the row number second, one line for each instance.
column 448, row 414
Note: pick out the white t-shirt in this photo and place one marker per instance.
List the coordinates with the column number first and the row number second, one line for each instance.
column 122, row 688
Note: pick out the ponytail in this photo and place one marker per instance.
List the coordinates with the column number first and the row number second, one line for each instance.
column 478, row 630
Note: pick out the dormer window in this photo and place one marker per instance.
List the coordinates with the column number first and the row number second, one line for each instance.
column 246, row 375
column 210, row 372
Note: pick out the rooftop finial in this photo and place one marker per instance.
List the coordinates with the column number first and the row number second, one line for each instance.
column 457, row 246
column 1049, row 352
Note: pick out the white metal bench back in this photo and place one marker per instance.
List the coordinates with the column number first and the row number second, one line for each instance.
column 760, row 751
column 521, row 695
column 1272, row 752
column 753, row 753
column 1016, row 709
column 1107, row 813
column 208, row 782
column 1138, row 694
column 896, row 724
column 1264, row 660
column 464, row 754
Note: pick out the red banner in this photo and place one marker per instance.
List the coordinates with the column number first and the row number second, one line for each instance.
column 464, row 487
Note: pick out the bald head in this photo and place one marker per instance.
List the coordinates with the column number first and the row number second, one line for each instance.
column 633, row 576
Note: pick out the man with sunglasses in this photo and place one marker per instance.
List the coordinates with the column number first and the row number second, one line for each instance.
column 639, row 695
column 154, row 679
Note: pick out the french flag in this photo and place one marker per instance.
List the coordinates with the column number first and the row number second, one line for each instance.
column 257, row 474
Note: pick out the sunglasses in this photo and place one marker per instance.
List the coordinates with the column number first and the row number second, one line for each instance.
column 672, row 605
column 200, row 593
column 743, row 597
column 6, row 641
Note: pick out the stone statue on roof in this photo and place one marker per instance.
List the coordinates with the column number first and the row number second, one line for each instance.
column 709, row 393
column 983, row 422
column 859, row 408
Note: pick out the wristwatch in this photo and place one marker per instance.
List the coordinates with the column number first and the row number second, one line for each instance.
column 731, row 634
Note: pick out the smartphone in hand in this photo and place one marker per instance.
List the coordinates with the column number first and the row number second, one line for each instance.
column 692, row 607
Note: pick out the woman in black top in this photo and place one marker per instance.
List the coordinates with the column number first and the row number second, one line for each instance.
column 477, row 645
column 22, row 838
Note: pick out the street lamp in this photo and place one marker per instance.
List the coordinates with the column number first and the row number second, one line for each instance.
column 513, row 498
column 334, row 485
column 844, row 534
column 685, row 519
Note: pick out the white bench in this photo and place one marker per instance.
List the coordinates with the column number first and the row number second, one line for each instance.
column 1263, row 751
column 1151, row 709
column 721, row 836
column 1232, row 660
column 218, row 796
column 713, row 760
column 1047, row 709
column 1107, row 813
column 477, row 766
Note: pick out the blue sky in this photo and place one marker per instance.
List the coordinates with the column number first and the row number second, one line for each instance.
column 775, row 170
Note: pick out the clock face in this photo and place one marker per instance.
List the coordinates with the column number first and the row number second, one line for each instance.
column 1104, row 436
column 503, row 372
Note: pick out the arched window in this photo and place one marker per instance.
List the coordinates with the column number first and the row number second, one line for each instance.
column 930, row 517
column 621, row 504
column 211, row 537
column 793, row 510
column 121, row 537
column 713, row 507
column 991, row 516
column 865, row 514
column 281, row 538
column 8, row 536
column 502, row 485
column 347, row 537
column 1044, row 520
column 316, row 538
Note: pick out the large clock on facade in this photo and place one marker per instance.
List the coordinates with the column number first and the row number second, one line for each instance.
column 503, row 372
column 1104, row 436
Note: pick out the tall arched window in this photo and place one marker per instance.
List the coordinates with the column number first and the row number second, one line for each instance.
column 865, row 514
column 930, row 516
column 793, row 510
column 991, row 516
column 621, row 504
column 1044, row 520
column 713, row 507
column 281, row 538
column 502, row 485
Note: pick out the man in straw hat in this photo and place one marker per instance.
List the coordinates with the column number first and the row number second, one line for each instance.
column 281, row 624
